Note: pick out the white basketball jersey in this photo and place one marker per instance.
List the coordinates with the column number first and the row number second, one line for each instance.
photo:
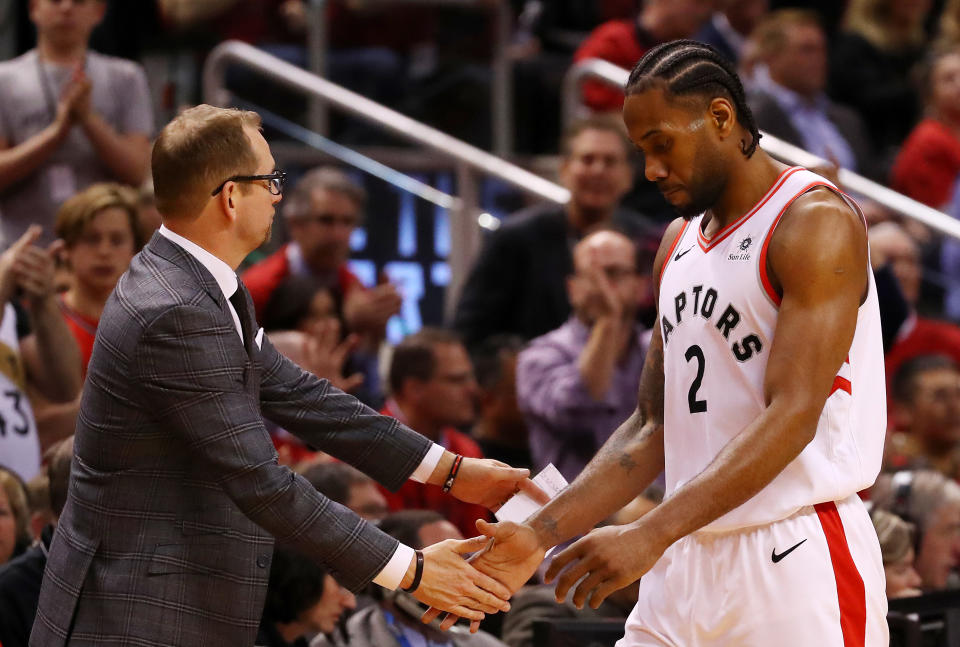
column 718, row 311
column 19, row 444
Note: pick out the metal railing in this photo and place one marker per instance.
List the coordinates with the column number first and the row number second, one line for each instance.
column 501, row 80
column 613, row 75
column 468, row 160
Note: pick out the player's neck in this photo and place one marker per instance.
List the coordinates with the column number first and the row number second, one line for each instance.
column 61, row 53
column 747, row 183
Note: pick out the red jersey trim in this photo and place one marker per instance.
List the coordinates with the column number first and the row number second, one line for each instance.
column 841, row 384
column 707, row 244
column 764, row 278
column 850, row 590
column 673, row 246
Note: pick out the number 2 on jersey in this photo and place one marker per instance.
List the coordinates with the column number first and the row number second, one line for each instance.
column 696, row 406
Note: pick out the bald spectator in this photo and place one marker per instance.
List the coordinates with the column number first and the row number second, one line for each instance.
column 624, row 42
column 433, row 390
column 517, row 284
column 892, row 247
column 69, row 117
column 576, row 384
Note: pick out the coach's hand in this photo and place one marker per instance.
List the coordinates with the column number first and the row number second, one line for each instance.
column 487, row 482
column 450, row 583
column 607, row 559
column 511, row 556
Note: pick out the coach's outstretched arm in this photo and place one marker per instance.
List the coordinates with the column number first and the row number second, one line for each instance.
column 818, row 262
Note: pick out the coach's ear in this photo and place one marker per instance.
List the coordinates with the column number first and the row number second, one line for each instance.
column 722, row 116
column 229, row 200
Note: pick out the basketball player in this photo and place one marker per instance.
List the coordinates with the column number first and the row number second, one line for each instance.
column 762, row 398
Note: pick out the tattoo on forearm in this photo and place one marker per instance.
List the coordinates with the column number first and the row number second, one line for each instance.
column 627, row 463
column 549, row 526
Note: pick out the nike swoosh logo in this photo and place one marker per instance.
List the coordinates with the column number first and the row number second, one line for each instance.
column 679, row 254
column 776, row 558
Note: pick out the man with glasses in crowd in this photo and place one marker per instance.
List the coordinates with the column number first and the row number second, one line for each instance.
column 175, row 495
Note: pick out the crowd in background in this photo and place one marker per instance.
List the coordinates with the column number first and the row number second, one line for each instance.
column 542, row 358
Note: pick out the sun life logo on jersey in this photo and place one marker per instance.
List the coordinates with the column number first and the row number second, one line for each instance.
column 743, row 250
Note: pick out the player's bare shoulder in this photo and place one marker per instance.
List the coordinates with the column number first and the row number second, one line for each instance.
column 819, row 238
column 666, row 244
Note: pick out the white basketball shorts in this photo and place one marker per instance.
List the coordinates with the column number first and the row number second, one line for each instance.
column 814, row 579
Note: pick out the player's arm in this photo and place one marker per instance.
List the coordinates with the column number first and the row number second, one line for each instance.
column 818, row 262
column 630, row 459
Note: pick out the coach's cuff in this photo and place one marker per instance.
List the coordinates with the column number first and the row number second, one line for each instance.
column 392, row 574
column 428, row 464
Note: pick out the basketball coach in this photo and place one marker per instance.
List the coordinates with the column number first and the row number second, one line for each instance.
column 176, row 495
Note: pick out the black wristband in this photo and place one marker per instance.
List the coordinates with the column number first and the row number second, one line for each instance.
column 417, row 574
column 454, row 470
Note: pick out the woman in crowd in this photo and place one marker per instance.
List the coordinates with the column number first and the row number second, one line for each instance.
column 929, row 162
column 896, row 549
column 870, row 66
column 14, row 516
column 931, row 502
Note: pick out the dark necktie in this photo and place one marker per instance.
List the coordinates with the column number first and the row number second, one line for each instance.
column 239, row 301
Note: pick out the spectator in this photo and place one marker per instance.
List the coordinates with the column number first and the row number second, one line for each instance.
column 395, row 620
column 100, row 228
column 624, row 42
column 302, row 599
column 432, row 391
column 14, row 516
column 790, row 103
column 931, row 502
column 926, row 415
column 890, row 245
column 69, row 117
column 870, row 67
column 927, row 167
column 577, row 384
column 348, row 486
column 896, row 548
column 20, row 579
column 321, row 213
column 730, row 26
column 517, row 284
column 500, row 431
column 46, row 361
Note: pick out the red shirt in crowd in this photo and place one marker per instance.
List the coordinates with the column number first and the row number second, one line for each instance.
column 263, row 278
column 922, row 337
column 84, row 331
column 928, row 164
column 623, row 43
column 423, row 496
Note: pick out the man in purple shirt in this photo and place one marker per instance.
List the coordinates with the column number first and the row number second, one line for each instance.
column 577, row 383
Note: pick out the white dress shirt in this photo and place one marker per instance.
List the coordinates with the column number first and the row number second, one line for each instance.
column 392, row 574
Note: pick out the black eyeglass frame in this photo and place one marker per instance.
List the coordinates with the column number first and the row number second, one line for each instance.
column 277, row 177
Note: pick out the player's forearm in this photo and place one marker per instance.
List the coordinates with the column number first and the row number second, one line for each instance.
column 744, row 467
column 626, row 464
column 126, row 156
column 20, row 161
column 599, row 357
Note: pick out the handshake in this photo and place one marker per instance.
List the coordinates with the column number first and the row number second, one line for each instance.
column 507, row 554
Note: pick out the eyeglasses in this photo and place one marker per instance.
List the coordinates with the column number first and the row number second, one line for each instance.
column 276, row 181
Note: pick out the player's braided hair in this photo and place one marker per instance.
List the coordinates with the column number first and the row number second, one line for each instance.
column 686, row 67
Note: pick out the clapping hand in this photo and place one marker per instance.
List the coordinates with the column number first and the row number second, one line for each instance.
column 325, row 355
column 28, row 267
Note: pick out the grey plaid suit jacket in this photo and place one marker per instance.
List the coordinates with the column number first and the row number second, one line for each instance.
column 176, row 496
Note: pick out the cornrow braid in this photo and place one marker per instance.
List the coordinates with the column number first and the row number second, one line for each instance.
column 685, row 67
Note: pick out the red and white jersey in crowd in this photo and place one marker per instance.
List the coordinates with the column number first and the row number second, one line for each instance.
column 19, row 444
column 718, row 312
